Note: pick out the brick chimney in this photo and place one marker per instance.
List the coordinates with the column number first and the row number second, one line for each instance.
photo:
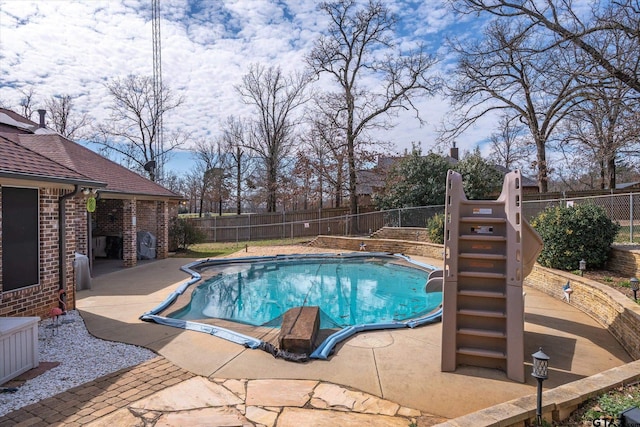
column 42, row 113
column 453, row 153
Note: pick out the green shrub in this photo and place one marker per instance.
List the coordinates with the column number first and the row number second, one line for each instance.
column 183, row 234
column 435, row 228
column 571, row 234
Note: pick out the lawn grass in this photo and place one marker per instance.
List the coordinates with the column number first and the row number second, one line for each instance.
column 212, row 250
column 624, row 235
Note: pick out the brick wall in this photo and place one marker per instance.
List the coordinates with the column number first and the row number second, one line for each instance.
column 129, row 238
column 39, row 299
column 162, row 230
column 147, row 216
column 108, row 217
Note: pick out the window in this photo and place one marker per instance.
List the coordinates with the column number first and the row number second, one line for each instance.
column 20, row 238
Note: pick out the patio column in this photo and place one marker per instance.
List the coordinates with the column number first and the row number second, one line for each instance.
column 162, row 229
column 129, row 238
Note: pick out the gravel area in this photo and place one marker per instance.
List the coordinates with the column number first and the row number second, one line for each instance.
column 82, row 358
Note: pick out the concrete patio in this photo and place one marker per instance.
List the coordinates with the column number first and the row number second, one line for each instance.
column 399, row 366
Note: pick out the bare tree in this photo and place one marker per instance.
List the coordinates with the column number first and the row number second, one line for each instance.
column 275, row 97
column 27, row 102
column 212, row 169
column 565, row 23
column 502, row 72
column 509, row 146
column 236, row 139
column 63, row 120
column 328, row 145
column 604, row 124
column 133, row 126
column 357, row 46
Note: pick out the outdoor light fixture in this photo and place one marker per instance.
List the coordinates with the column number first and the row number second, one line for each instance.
column 634, row 287
column 86, row 191
column 583, row 266
column 540, row 372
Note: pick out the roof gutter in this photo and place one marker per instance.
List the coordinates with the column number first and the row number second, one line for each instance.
column 52, row 179
column 62, row 241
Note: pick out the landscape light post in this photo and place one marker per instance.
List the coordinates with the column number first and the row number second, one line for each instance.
column 634, row 287
column 540, row 372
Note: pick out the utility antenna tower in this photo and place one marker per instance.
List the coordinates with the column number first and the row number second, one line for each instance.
column 158, row 144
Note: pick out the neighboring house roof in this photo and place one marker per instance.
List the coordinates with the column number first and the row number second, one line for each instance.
column 625, row 185
column 17, row 161
column 9, row 121
column 73, row 157
column 369, row 181
column 526, row 181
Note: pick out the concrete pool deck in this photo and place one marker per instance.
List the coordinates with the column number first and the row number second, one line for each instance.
column 399, row 367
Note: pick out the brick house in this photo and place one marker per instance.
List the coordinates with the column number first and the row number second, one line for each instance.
column 46, row 181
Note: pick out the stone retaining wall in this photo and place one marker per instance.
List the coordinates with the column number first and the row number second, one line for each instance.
column 619, row 314
column 419, row 234
column 431, row 250
column 625, row 261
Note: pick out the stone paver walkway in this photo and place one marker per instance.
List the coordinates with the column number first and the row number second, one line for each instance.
column 158, row 393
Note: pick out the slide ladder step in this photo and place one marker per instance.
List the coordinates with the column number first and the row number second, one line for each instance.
column 482, row 313
column 482, row 294
column 485, row 220
column 482, row 275
column 481, row 352
column 482, row 333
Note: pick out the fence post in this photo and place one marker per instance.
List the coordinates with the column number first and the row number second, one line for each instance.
column 346, row 225
column 249, row 216
column 215, row 229
column 399, row 217
column 631, row 218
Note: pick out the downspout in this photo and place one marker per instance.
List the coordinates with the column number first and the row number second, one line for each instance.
column 90, row 236
column 62, row 241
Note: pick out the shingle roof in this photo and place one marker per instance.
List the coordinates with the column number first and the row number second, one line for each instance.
column 77, row 157
column 61, row 158
column 17, row 160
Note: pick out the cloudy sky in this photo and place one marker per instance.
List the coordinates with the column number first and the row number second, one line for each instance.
column 63, row 47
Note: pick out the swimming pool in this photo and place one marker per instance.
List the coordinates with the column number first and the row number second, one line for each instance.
column 359, row 300
column 349, row 291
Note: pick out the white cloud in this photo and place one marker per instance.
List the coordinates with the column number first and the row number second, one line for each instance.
column 74, row 47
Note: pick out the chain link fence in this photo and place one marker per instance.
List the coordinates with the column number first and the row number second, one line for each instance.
column 293, row 225
column 622, row 208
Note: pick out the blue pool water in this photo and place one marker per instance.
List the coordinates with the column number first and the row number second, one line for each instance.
column 348, row 292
